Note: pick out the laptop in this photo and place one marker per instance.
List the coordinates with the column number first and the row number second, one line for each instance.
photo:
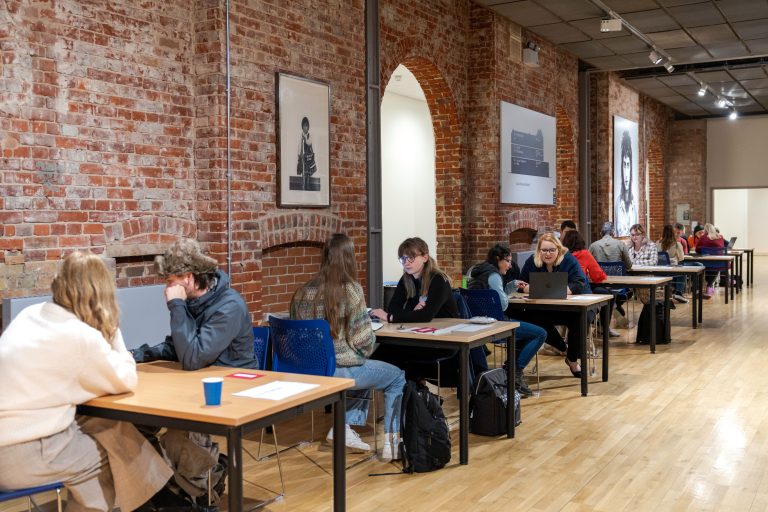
column 732, row 242
column 548, row 285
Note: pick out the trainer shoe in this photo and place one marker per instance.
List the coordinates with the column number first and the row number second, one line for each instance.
column 352, row 440
column 613, row 334
column 391, row 449
column 549, row 350
column 679, row 298
column 520, row 385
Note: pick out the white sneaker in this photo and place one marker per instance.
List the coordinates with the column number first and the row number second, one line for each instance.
column 679, row 298
column 549, row 350
column 613, row 334
column 352, row 440
column 391, row 449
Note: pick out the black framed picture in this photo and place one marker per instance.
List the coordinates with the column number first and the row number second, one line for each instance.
column 304, row 148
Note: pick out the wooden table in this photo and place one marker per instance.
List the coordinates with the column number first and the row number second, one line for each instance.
column 579, row 304
column 750, row 265
column 393, row 334
column 697, row 284
column 651, row 283
column 721, row 258
column 167, row 396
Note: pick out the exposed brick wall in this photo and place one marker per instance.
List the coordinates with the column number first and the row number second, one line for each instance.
column 285, row 268
column 655, row 128
column 551, row 89
column 688, row 167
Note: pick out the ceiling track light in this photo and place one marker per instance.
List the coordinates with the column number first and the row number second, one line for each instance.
column 733, row 115
column 669, row 67
column 655, row 57
column 703, row 90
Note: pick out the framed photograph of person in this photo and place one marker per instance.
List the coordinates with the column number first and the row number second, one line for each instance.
column 303, row 142
column 625, row 175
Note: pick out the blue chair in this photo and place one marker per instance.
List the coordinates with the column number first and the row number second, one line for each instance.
column 617, row 268
column 664, row 258
column 261, row 348
column 306, row 347
column 715, row 267
column 31, row 491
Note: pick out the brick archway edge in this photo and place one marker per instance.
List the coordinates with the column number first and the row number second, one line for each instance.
column 282, row 228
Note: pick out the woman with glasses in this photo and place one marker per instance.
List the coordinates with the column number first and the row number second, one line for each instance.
column 499, row 273
column 641, row 250
column 335, row 295
column 551, row 256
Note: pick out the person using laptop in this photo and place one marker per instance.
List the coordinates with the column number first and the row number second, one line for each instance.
column 552, row 256
column 710, row 239
column 335, row 295
column 499, row 273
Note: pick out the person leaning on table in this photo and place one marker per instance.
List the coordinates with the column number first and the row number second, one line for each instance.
column 210, row 325
column 53, row 357
column 335, row 295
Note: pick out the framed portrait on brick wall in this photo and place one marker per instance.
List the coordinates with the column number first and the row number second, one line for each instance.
column 303, row 142
column 625, row 175
column 528, row 172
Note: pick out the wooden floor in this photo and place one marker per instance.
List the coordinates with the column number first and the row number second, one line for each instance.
column 683, row 429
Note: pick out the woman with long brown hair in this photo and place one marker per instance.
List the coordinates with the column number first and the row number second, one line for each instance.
column 335, row 295
column 53, row 357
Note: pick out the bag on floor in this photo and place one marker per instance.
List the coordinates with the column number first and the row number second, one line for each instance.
column 488, row 407
column 426, row 444
column 644, row 325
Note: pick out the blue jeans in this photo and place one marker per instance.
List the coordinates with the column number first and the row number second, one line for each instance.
column 377, row 375
column 528, row 340
column 680, row 280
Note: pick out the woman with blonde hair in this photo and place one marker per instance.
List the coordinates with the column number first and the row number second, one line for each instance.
column 53, row 357
column 710, row 239
column 335, row 295
column 552, row 256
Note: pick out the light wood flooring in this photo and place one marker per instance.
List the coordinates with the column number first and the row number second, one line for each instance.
column 683, row 429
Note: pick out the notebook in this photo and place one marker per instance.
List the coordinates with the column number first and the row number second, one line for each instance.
column 732, row 242
column 548, row 285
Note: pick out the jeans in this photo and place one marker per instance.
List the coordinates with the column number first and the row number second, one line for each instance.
column 680, row 280
column 528, row 340
column 377, row 375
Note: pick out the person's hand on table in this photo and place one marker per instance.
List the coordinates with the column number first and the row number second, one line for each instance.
column 523, row 287
column 175, row 291
column 379, row 313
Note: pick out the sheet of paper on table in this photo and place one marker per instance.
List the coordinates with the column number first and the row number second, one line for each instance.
column 276, row 390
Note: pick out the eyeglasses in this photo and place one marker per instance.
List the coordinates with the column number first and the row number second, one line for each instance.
column 549, row 251
column 508, row 260
column 407, row 259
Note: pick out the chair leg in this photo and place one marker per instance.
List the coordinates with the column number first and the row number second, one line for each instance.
column 58, row 500
column 279, row 464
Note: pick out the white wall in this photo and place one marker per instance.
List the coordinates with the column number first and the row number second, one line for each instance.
column 758, row 212
column 731, row 214
column 408, row 177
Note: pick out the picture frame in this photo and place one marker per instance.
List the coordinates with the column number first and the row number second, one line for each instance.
column 626, row 173
column 303, row 142
column 527, row 156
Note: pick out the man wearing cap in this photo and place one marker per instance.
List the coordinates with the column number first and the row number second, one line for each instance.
column 210, row 325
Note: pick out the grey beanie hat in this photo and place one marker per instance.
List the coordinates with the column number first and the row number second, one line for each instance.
column 182, row 257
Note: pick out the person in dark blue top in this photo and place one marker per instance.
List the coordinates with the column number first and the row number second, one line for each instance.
column 551, row 256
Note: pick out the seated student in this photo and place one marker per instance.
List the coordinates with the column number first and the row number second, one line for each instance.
column 499, row 273
column 671, row 244
column 609, row 249
column 642, row 252
column 423, row 293
column 565, row 226
column 680, row 234
column 709, row 238
column 54, row 356
column 575, row 243
column 697, row 232
column 335, row 295
column 551, row 256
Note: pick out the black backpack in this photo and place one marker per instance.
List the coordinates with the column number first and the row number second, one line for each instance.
column 426, row 445
column 488, row 408
column 644, row 325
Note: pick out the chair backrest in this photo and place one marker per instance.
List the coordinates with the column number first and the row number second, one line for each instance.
column 711, row 251
column 714, row 251
column 261, row 345
column 461, row 304
column 664, row 258
column 613, row 268
column 302, row 346
column 483, row 303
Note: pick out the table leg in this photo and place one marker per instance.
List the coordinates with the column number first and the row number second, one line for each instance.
column 667, row 320
column 653, row 334
column 235, row 468
column 339, row 456
column 605, row 314
column 740, row 281
column 728, row 273
column 464, row 404
column 583, row 340
column 701, row 296
column 694, row 301
column 750, row 266
column 511, row 370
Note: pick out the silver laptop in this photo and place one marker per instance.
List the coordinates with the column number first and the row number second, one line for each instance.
column 548, row 285
column 732, row 242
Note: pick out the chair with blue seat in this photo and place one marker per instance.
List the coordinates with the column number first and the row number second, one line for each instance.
column 617, row 268
column 30, row 492
column 261, row 348
column 715, row 267
column 306, row 347
column 664, row 258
